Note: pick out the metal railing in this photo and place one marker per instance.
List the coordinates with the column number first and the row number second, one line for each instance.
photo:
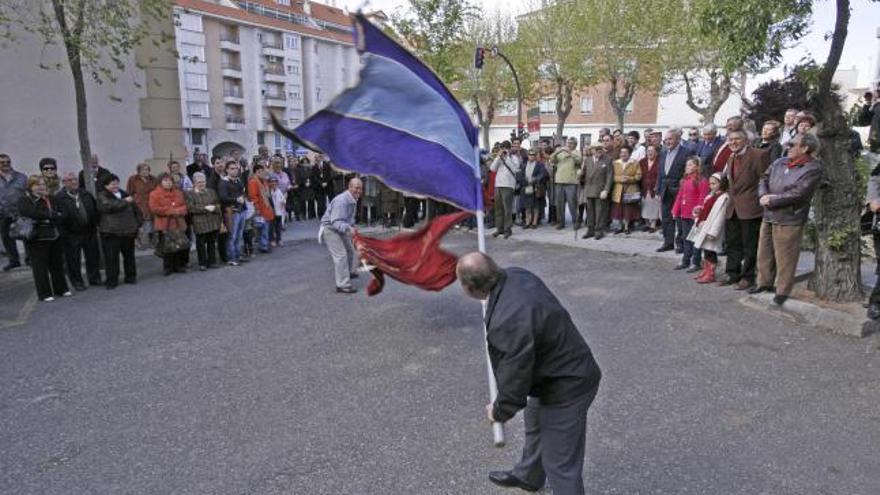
column 232, row 92
column 231, row 38
column 277, row 44
column 275, row 96
column 277, row 70
column 234, row 119
column 231, row 66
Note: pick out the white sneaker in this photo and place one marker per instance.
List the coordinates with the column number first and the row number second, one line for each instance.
column 67, row 294
column 49, row 299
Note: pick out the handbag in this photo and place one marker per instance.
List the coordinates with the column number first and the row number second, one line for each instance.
column 172, row 241
column 22, row 229
column 695, row 231
column 631, row 197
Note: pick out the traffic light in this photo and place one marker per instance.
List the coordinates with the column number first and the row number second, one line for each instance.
column 479, row 55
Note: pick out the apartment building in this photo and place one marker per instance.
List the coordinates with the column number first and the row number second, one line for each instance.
column 241, row 60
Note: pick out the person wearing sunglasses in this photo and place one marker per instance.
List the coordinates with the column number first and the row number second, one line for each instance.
column 49, row 171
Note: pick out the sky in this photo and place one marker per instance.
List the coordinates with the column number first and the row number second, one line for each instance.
column 861, row 50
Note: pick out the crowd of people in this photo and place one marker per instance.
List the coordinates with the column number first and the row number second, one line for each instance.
column 740, row 194
column 228, row 209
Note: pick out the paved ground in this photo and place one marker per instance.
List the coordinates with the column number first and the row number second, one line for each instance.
column 260, row 380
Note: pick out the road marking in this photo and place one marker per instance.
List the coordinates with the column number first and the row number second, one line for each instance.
column 23, row 315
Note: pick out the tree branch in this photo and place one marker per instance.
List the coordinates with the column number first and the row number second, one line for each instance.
column 838, row 39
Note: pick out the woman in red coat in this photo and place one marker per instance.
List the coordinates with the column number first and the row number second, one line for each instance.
column 694, row 188
column 168, row 207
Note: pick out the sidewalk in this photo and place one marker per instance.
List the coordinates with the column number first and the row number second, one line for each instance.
column 848, row 319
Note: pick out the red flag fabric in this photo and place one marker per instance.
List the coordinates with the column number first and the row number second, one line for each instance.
column 413, row 258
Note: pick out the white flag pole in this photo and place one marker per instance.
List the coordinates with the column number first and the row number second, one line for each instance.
column 497, row 428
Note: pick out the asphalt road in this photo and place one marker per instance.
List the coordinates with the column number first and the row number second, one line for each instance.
column 261, row 380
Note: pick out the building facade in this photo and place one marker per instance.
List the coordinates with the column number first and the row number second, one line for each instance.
column 241, row 61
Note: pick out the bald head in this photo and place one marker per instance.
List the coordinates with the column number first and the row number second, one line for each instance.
column 478, row 274
column 356, row 188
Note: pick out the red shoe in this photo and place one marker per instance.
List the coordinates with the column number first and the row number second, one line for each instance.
column 703, row 274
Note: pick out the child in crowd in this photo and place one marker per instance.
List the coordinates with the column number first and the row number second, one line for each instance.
column 278, row 199
column 694, row 187
column 711, row 216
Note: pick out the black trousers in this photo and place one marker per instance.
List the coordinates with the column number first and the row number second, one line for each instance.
column 114, row 246
column 321, row 199
column 47, row 265
column 9, row 243
column 77, row 245
column 411, row 213
column 668, row 223
column 206, row 248
column 741, row 242
column 310, row 208
column 222, row 241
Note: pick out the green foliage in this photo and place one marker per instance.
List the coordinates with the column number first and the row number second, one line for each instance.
column 433, row 30
column 98, row 34
column 752, row 33
column 838, row 240
column 771, row 99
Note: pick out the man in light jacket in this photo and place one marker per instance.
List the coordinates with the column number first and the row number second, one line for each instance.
column 507, row 167
column 336, row 231
column 567, row 164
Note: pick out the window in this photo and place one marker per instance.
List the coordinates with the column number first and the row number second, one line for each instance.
column 198, row 136
column 293, row 69
column 197, row 81
column 317, row 72
column 318, row 95
column 291, row 42
column 261, row 138
column 278, row 141
column 547, row 105
column 192, row 53
column 283, row 2
column 191, row 22
column 586, row 105
column 198, row 109
column 294, row 95
column 315, row 45
column 629, row 108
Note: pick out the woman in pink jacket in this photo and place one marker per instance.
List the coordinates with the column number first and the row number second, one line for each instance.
column 694, row 187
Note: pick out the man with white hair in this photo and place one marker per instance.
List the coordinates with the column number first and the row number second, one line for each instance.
column 708, row 147
column 336, row 232
column 672, row 162
column 78, row 226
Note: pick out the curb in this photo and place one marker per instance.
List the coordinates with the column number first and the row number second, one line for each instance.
column 838, row 322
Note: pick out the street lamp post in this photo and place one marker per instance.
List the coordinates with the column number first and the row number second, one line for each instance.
column 519, row 132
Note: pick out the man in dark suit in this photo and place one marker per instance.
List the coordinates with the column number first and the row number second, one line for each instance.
column 99, row 174
column 597, row 176
column 708, row 147
column 541, row 363
column 200, row 165
column 323, row 176
column 79, row 231
column 672, row 161
column 744, row 170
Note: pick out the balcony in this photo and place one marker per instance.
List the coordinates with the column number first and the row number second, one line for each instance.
column 231, row 69
column 234, row 122
column 275, row 100
column 274, row 73
column 230, row 41
column 233, row 95
column 273, row 48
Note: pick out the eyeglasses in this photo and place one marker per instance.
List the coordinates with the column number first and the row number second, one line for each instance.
column 49, row 168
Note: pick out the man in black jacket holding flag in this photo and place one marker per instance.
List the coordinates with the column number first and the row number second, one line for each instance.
column 541, row 363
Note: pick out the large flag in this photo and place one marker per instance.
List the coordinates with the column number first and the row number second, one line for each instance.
column 400, row 124
column 412, row 258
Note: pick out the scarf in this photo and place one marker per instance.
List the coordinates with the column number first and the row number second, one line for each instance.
column 797, row 162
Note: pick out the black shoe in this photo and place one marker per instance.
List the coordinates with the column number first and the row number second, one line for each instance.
column 758, row 290
column 694, row 269
column 508, row 480
column 96, row 282
column 354, row 275
column 560, row 226
column 496, row 233
column 779, row 299
column 11, row 265
column 79, row 287
column 346, row 290
column 203, row 268
column 874, row 311
column 727, row 281
column 680, row 266
column 111, row 286
column 664, row 247
column 599, row 235
column 679, row 250
column 131, row 281
column 167, row 272
column 588, row 234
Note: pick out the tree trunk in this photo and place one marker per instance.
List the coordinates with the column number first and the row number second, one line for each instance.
column 72, row 41
column 719, row 90
column 837, row 275
column 563, row 106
